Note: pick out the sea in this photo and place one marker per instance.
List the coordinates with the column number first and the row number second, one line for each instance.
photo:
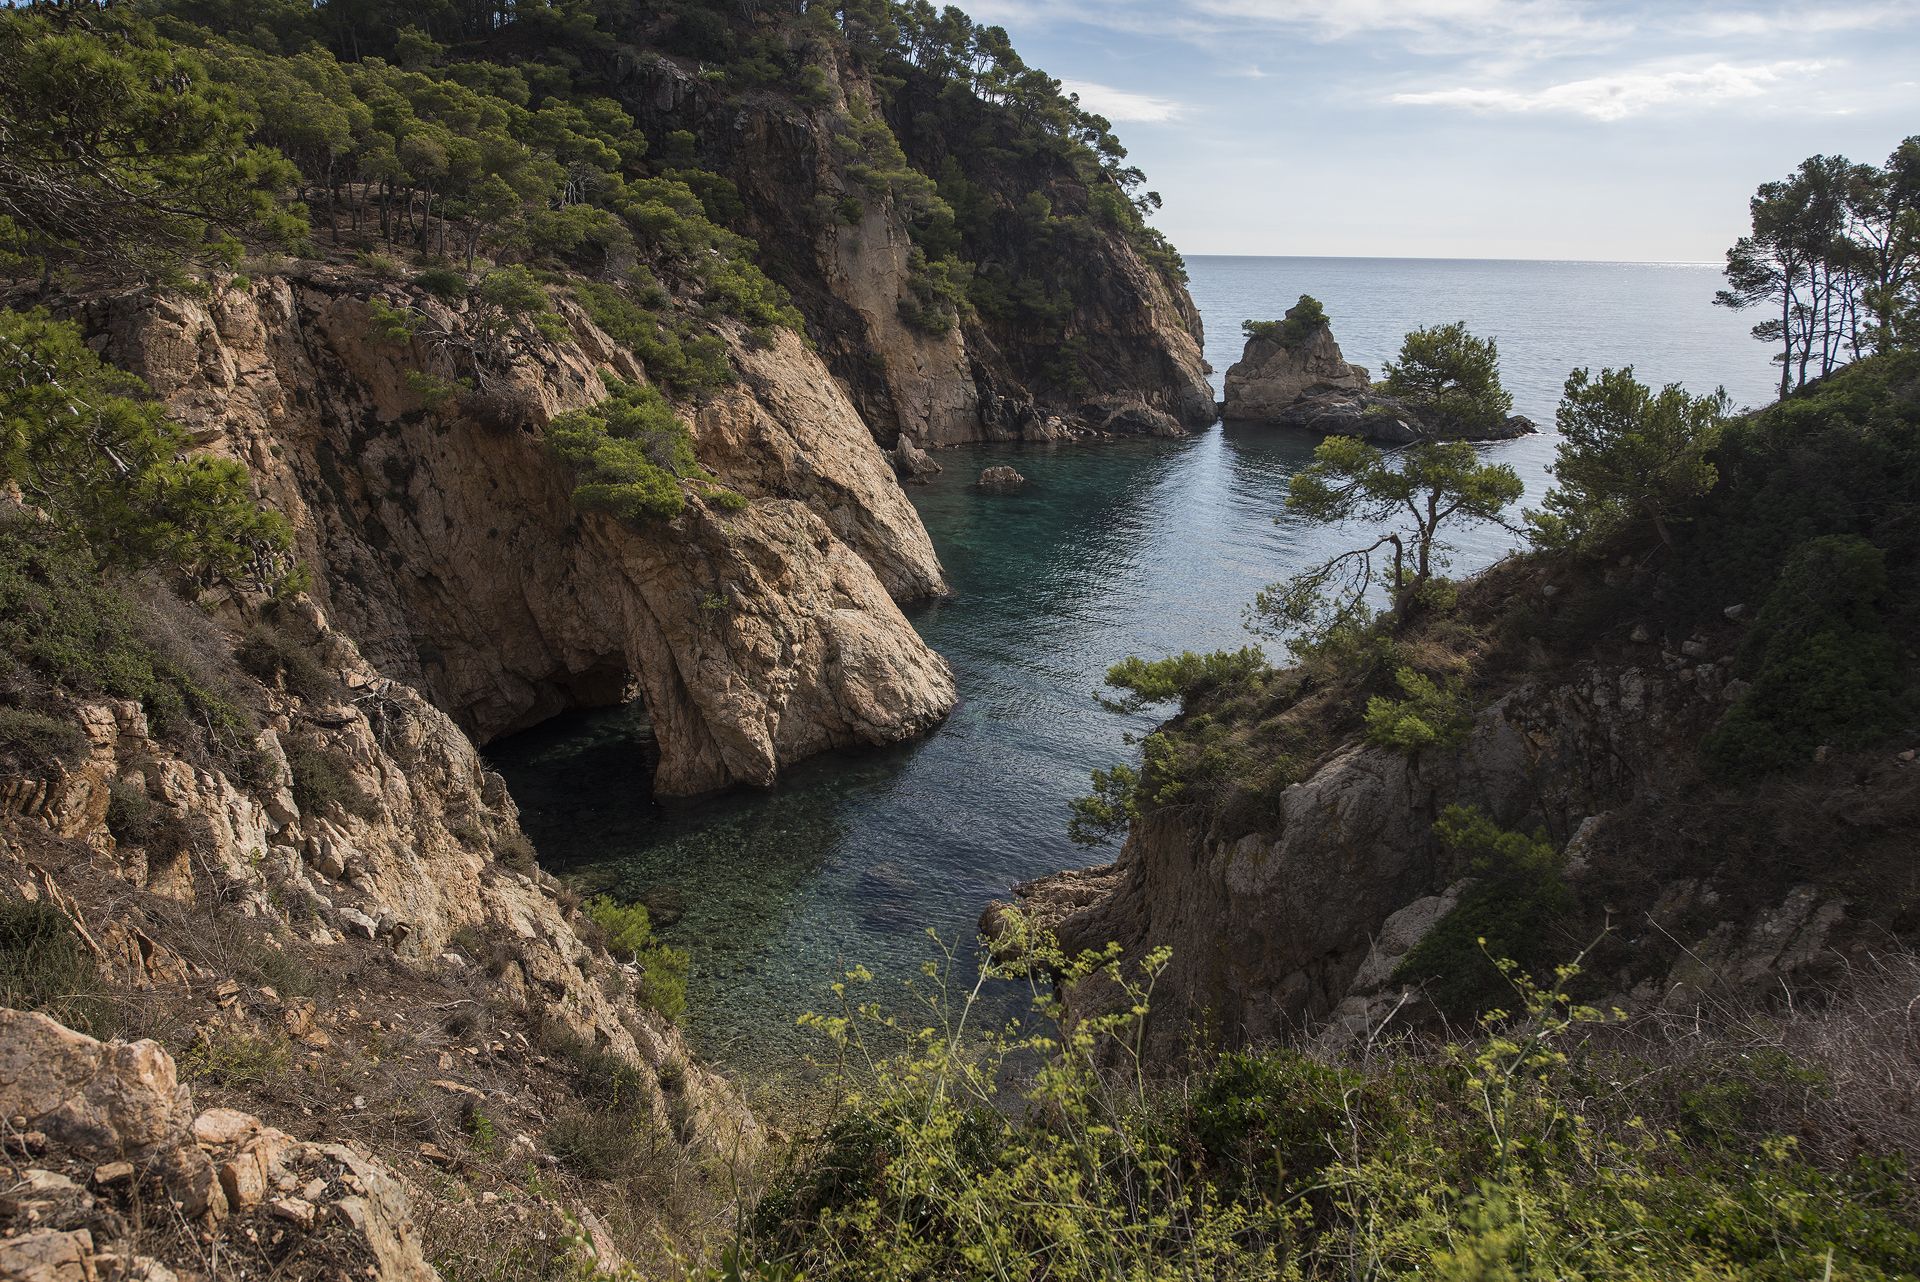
column 885, row 859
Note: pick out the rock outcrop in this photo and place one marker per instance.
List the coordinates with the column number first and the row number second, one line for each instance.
column 330, row 957
column 1000, row 479
column 1293, row 931
column 1275, row 372
column 103, row 1131
column 913, row 464
column 1292, row 374
column 443, row 539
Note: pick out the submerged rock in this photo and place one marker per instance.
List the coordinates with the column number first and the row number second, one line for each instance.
column 1001, row 479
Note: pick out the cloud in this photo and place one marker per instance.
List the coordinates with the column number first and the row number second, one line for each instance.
column 1621, row 94
column 1751, row 23
column 1121, row 105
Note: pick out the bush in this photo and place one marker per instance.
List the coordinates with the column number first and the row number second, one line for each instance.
column 628, row 931
column 1427, row 715
column 599, row 1145
column 1183, row 676
column 36, row 741
column 109, row 468
column 443, row 283
column 1826, row 668
column 130, row 816
column 68, row 630
column 322, row 781
column 1549, row 1147
column 1098, row 817
column 674, row 349
column 1504, row 915
column 271, row 655
column 631, row 451
column 1302, row 321
column 45, row 967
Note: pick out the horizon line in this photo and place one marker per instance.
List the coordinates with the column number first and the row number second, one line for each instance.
column 1468, row 258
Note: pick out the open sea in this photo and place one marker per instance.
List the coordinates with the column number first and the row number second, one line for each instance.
column 1128, row 547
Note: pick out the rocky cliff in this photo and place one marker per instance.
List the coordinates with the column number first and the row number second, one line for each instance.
column 442, row 537
column 1120, row 355
column 1291, row 907
column 341, row 929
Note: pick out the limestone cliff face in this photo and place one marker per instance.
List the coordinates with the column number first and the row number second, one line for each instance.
column 1134, row 333
column 443, row 540
column 1294, row 931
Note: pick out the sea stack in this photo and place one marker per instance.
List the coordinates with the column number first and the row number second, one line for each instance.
column 1286, row 361
column 1293, row 374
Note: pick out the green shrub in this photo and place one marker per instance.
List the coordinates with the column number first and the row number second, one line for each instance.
column 45, row 967
column 1826, row 668
column 631, row 452
column 628, row 930
column 106, row 465
column 1427, row 715
column 228, row 1056
column 443, row 283
column 1539, row 1149
column 1505, row 914
column 323, row 782
column 1183, row 676
column 130, row 816
column 674, row 349
column 271, row 655
column 67, row 629
column 1098, row 817
column 36, row 741
column 936, row 298
column 602, row 1145
column 1302, row 320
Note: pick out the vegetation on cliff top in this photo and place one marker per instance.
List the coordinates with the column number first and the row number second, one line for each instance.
column 1556, row 1142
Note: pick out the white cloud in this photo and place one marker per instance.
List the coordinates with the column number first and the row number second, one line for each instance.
column 1121, row 105
column 1751, row 23
column 1624, row 93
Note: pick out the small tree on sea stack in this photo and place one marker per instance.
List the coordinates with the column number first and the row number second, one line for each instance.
column 1450, row 377
column 1302, row 319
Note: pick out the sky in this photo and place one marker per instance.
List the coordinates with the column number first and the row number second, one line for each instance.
column 1616, row 129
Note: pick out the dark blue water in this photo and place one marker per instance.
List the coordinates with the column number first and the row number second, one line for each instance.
column 1131, row 547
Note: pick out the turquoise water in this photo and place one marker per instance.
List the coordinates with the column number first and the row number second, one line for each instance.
column 1129, row 547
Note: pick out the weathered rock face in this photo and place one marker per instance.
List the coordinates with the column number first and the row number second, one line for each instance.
column 1294, row 931
column 1135, row 331
column 114, row 1116
column 444, row 541
column 1271, row 375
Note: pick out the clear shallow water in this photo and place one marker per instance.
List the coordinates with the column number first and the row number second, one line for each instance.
column 1129, row 547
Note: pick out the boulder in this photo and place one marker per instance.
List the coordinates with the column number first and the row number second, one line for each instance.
column 90, row 1100
column 1001, row 479
column 913, row 464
